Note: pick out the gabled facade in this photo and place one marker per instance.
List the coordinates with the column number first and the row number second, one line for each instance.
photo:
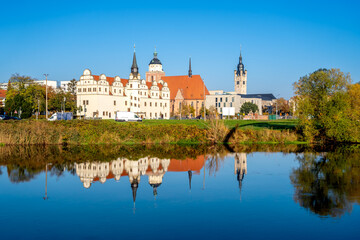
column 102, row 96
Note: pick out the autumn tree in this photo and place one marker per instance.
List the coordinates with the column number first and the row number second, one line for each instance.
column 324, row 107
column 282, row 106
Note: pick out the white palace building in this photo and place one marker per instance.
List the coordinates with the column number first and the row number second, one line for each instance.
column 102, row 96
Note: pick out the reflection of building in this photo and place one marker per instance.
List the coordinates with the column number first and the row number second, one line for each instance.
column 240, row 167
column 153, row 167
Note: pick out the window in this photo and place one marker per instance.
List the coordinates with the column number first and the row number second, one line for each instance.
column 87, row 102
column 244, row 82
column 238, row 82
column 221, row 99
column 105, row 89
column 130, row 85
column 155, row 114
column 224, row 104
column 152, row 94
column 150, row 114
column 150, row 104
column 135, row 104
column 165, row 115
column 79, row 90
column 99, row 89
column 226, row 99
column 165, row 104
column 231, row 104
column 156, row 104
column 135, row 98
column 216, row 99
column 114, row 90
column 84, row 102
column 125, row 103
column 114, row 103
column 89, row 89
column 145, row 104
column 160, row 104
column 94, row 89
column 84, row 89
column 145, row 93
column 233, row 99
column 103, row 113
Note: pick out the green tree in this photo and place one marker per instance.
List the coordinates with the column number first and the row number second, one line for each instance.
column 72, row 87
column 248, row 107
column 323, row 107
column 18, row 98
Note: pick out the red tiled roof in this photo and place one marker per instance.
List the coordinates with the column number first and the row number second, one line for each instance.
column 111, row 80
column 191, row 88
column 2, row 93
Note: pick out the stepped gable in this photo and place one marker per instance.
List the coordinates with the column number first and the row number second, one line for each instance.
column 149, row 84
column 111, row 80
column 192, row 88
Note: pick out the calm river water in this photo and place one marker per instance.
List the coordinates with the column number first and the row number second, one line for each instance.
column 174, row 192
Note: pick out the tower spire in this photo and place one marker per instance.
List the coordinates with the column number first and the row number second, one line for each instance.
column 134, row 66
column 190, row 71
column 190, row 176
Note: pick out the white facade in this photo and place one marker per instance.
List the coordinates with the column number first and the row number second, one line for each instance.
column 89, row 171
column 228, row 100
column 50, row 83
column 102, row 96
column 3, row 86
column 64, row 85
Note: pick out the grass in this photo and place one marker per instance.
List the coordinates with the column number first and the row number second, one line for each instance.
column 243, row 124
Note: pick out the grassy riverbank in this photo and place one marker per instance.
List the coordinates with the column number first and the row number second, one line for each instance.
column 79, row 132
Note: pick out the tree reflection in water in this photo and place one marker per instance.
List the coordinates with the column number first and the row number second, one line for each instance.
column 328, row 183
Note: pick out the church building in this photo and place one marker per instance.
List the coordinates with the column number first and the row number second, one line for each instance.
column 184, row 89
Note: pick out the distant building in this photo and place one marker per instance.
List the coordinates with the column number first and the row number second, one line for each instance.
column 3, row 86
column 50, row 83
column 220, row 99
column 64, row 85
column 102, row 96
column 225, row 99
column 2, row 98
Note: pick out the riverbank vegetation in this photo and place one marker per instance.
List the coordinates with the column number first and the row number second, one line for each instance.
column 80, row 132
column 328, row 107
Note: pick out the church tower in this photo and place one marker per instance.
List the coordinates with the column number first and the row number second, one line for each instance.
column 133, row 86
column 155, row 69
column 240, row 78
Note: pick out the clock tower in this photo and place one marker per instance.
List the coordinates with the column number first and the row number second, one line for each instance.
column 240, row 77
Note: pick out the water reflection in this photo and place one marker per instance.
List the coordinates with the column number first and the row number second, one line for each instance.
column 326, row 182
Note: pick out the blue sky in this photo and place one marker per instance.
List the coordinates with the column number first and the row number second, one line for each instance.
column 281, row 40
